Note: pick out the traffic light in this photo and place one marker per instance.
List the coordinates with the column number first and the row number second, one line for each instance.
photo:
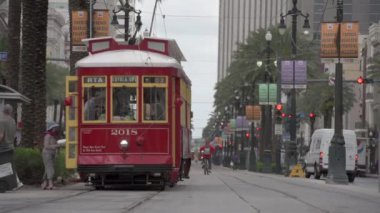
column 362, row 80
column 279, row 114
column 279, row 107
column 247, row 135
column 312, row 116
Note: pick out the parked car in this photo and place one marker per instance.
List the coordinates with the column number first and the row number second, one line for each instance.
column 317, row 159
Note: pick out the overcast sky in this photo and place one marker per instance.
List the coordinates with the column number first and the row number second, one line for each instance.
column 194, row 25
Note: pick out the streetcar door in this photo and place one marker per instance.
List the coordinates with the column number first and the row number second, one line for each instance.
column 71, row 103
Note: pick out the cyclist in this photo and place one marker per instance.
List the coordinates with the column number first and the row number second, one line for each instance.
column 206, row 151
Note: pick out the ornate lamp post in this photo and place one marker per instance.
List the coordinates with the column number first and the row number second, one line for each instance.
column 294, row 12
column 127, row 8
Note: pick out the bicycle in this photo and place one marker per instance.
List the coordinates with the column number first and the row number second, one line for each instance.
column 205, row 166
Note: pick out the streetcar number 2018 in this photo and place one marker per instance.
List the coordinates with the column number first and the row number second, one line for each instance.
column 124, row 132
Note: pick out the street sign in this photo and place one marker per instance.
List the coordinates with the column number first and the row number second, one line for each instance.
column 3, row 56
column 278, row 129
column 79, row 49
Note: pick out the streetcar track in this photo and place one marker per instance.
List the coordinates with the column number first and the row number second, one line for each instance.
column 46, row 201
column 281, row 192
column 138, row 203
column 352, row 195
column 238, row 195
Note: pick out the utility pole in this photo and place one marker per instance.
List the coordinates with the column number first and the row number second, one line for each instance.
column 337, row 152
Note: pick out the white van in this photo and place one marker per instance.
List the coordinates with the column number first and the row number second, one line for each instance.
column 317, row 159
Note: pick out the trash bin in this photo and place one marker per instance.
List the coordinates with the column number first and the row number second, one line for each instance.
column 7, row 173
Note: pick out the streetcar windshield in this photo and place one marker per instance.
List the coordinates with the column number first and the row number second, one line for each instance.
column 124, row 105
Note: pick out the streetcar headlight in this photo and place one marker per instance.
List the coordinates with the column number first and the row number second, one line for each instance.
column 124, row 144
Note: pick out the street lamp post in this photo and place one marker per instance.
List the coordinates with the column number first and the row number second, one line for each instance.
column 294, row 12
column 337, row 151
column 127, row 8
column 267, row 112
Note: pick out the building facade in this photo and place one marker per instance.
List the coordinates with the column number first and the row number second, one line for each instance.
column 237, row 18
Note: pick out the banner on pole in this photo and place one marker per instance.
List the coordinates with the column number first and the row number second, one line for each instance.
column 267, row 94
column 78, row 27
column 101, row 21
column 349, row 34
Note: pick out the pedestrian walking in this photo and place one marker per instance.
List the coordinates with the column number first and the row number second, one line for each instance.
column 49, row 153
column 8, row 135
column 235, row 161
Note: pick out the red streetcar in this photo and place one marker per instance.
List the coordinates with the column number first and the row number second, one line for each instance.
column 128, row 112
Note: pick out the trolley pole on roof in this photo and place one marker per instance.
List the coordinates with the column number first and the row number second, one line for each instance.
column 154, row 14
column 127, row 8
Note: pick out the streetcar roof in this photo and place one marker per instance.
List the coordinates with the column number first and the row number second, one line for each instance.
column 128, row 58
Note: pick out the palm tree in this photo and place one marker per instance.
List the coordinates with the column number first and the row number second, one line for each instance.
column 40, row 69
column 28, row 73
column 14, row 21
column 34, row 36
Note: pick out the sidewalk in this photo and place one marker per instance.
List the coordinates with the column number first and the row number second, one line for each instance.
column 371, row 176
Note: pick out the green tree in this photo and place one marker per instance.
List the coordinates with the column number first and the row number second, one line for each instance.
column 243, row 69
column 319, row 98
column 55, row 83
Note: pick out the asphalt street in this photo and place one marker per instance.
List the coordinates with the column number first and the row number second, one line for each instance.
column 223, row 191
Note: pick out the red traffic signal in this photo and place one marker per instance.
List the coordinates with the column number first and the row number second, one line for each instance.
column 360, row 80
column 279, row 107
column 312, row 115
column 247, row 135
column 283, row 115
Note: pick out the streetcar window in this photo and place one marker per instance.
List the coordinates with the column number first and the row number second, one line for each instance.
column 124, row 104
column 95, row 104
column 155, row 103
